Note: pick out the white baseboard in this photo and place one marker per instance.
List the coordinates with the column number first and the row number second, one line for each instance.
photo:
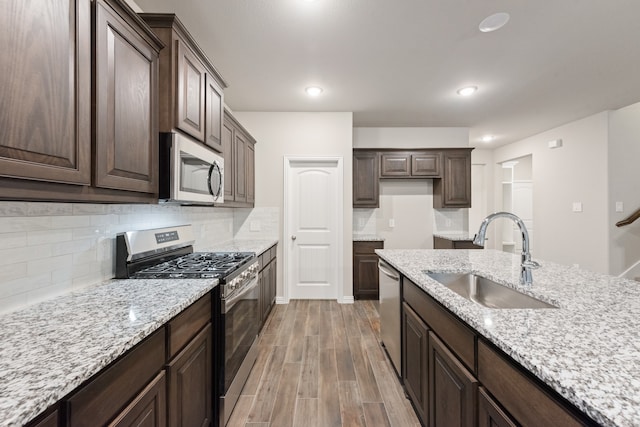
column 281, row 300
column 346, row 300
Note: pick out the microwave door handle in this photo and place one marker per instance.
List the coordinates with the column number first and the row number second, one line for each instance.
column 214, row 167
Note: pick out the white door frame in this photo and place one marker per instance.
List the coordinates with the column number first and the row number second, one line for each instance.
column 329, row 160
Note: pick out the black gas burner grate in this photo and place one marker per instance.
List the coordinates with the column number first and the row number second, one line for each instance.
column 198, row 265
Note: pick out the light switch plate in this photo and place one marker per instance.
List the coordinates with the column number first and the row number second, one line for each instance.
column 619, row 207
column 577, row 206
column 392, row 223
column 255, row 226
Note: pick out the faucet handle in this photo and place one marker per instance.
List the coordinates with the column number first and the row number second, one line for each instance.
column 531, row 264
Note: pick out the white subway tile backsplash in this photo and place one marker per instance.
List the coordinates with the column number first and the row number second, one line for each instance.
column 13, row 240
column 13, row 224
column 46, row 265
column 24, row 284
column 47, row 249
column 89, row 209
column 49, row 209
column 14, row 271
column 35, row 238
column 13, row 208
column 72, row 221
column 24, row 254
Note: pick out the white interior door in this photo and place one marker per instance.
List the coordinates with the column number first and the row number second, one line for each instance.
column 312, row 226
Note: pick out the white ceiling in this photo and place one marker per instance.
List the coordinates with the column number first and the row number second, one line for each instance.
column 400, row 62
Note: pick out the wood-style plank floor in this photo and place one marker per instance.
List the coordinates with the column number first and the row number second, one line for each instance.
column 321, row 365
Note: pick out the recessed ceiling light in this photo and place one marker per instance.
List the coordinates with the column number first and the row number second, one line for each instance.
column 468, row 90
column 487, row 138
column 494, row 22
column 313, row 90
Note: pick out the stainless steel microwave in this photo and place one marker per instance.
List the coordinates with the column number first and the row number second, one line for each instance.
column 190, row 173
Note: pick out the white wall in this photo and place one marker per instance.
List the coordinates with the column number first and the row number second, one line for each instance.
column 482, row 194
column 437, row 137
column 576, row 172
column 301, row 134
column 624, row 186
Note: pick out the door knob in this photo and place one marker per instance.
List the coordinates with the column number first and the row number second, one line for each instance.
column 293, row 237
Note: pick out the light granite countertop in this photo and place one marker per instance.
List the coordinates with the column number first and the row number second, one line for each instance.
column 367, row 238
column 458, row 235
column 243, row 245
column 588, row 350
column 49, row 349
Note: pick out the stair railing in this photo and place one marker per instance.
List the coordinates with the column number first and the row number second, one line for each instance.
column 629, row 220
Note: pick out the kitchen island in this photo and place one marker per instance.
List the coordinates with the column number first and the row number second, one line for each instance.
column 587, row 350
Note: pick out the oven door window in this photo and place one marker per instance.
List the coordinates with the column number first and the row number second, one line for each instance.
column 241, row 324
column 194, row 174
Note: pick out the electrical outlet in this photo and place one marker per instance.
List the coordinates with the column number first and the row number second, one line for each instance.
column 392, row 223
column 255, row 226
column 361, row 222
column 619, row 207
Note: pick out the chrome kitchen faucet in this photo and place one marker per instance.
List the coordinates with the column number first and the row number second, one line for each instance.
column 526, row 263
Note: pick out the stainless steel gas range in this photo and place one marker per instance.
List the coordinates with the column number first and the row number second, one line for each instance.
column 167, row 253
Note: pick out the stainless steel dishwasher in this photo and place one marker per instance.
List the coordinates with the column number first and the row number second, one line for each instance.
column 390, row 312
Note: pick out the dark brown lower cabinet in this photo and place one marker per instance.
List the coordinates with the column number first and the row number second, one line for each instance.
column 523, row 398
column 50, row 420
column 102, row 399
column 489, row 412
column 268, row 280
column 149, row 409
column 453, row 390
column 415, row 370
column 365, row 269
column 190, row 383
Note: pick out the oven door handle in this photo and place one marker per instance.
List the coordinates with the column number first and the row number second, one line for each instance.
column 228, row 304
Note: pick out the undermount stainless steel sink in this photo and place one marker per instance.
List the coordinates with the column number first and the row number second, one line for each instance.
column 486, row 292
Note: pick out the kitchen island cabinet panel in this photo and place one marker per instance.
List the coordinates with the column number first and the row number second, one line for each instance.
column 415, row 367
column 452, row 331
column 490, row 414
column 527, row 402
column 452, row 388
column 50, row 420
column 45, row 87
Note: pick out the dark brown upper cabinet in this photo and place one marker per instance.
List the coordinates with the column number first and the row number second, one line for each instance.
column 449, row 168
column 126, row 112
column 239, row 163
column 214, row 111
column 191, row 89
column 454, row 189
column 80, row 86
column 45, row 87
column 426, row 164
column 410, row 164
column 365, row 179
